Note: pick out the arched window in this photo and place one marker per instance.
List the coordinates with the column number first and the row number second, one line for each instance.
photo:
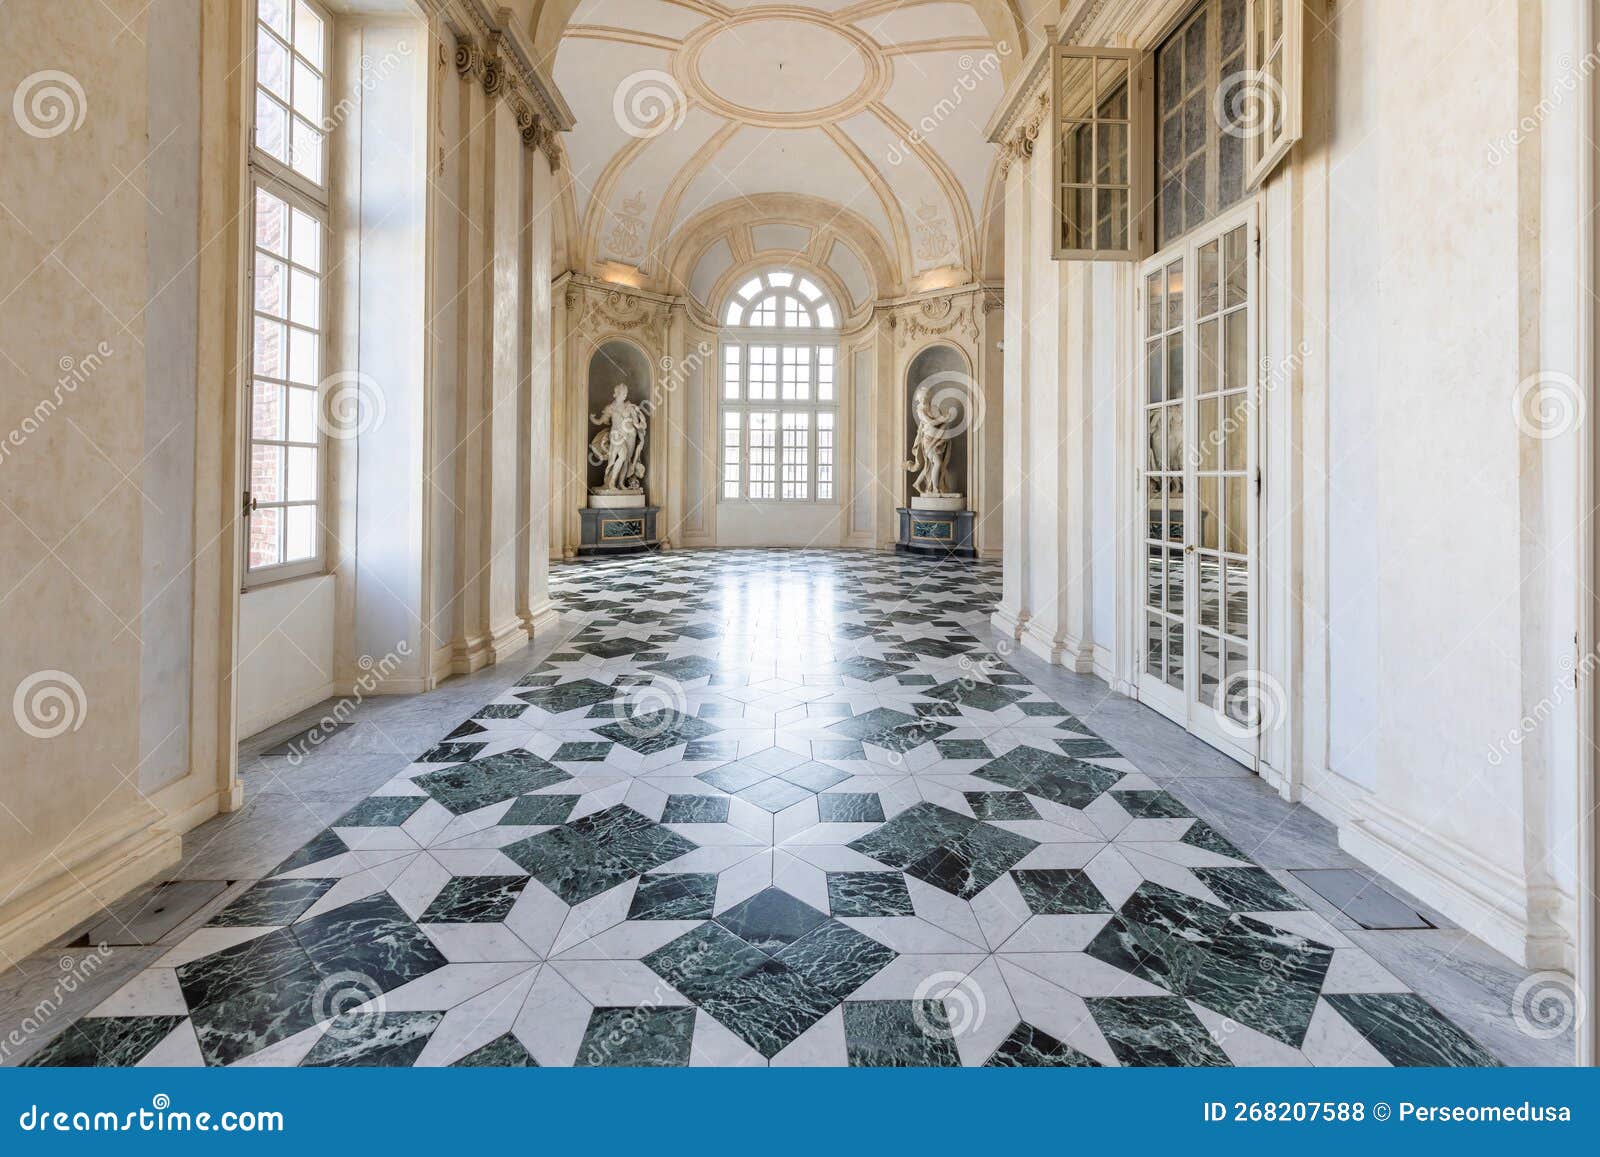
column 778, row 403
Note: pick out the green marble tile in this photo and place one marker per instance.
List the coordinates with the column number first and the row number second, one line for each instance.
column 380, row 811
column 1151, row 805
column 898, row 1034
column 1001, row 805
column 869, row 894
column 696, row 809
column 538, row 810
column 1408, row 1031
column 481, row 782
column 1249, row 889
column 504, row 1052
column 362, row 1039
column 271, row 902
column 849, row 808
column 105, row 1041
column 679, row 896
column 1154, row 1030
column 1029, row 1047
column 646, row 1036
column 1059, row 892
column 474, row 900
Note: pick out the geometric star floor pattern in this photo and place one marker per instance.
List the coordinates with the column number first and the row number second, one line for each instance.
column 768, row 808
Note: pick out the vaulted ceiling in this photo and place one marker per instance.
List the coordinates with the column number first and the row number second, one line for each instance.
column 710, row 132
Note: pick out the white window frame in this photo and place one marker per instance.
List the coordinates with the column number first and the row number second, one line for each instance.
column 1107, row 69
column 820, row 343
column 1274, row 54
column 272, row 176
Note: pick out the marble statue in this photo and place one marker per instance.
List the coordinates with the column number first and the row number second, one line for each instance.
column 930, row 445
column 621, row 445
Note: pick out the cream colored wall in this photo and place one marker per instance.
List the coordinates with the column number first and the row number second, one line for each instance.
column 286, row 650
column 1419, row 597
column 112, row 402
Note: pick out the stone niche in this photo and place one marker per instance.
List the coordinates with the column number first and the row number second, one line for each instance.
column 617, row 361
column 946, row 369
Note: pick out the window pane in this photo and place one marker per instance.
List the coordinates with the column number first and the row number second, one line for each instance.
column 811, row 291
column 307, row 33
column 266, row 411
column 301, row 484
column 730, row 372
column 307, row 93
column 307, row 158
column 765, row 312
column 272, row 223
column 270, row 356
column 796, row 373
column 265, row 547
column 749, row 288
column 272, row 127
column 272, row 65
column 794, row 313
column 302, row 357
column 824, row 455
column 266, row 473
column 274, row 14
column 825, row 373
column 307, row 241
column 302, row 413
column 781, row 278
column 763, row 384
column 305, row 299
column 300, row 533
column 734, row 315
column 271, row 275
column 732, row 445
column 763, row 454
column 796, row 455
column 825, row 315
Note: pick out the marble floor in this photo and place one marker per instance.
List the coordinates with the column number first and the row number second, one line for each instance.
column 747, row 808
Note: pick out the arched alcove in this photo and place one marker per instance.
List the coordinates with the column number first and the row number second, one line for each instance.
column 945, row 369
column 612, row 362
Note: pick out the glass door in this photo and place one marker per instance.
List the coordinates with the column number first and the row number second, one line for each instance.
column 1199, row 483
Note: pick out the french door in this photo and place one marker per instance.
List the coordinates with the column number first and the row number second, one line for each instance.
column 1199, row 401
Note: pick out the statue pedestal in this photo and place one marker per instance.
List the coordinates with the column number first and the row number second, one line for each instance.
column 940, row 502
column 616, row 500
column 617, row 530
column 939, row 533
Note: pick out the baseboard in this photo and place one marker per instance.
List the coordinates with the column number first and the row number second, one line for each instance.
column 1485, row 899
column 1008, row 621
column 469, row 655
column 102, row 870
column 1061, row 651
column 284, row 708
column 1104, row 665
column 537, row 620
column 507, row 640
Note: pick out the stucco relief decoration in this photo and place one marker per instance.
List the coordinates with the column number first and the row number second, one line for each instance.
column 618, row 312
column 933, row 234
column 935, row 317
column 626, row 239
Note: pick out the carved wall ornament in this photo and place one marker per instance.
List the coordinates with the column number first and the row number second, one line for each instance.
column 950, row 317
column 933, row 237
column 626, row 239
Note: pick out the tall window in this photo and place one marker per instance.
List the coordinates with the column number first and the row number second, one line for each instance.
column 778, row 403
column 289, row 213
column 1200, row 163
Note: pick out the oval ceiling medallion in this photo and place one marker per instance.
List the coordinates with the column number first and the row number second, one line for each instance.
column 781, row 68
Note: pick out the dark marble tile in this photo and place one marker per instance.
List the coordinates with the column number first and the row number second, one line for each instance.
column 733, row 777
column 867, row 669
column 774, row 794
column 1203, row 835
column 1059, row 892
column 380, row 811
column 970, row 693
column 898, row 1034
column 869, row 894
column 652, row 1036
column 563, row 697
column 451, row 752
column 1058, row 778
column 468, row 728
column 814, row 776
column 849, row 808
column 912, row 834
column 534, row 810
column 371, row 937
column 767, row 1006
column 1029, row 1047
column 481, row 782
column 1001, row 805
column 652, row 731
column 611, row 648
column 871, row 723
column 704, row 960
column 1155, row 1030
column 1407, row 1031
column 104, row 1042
column 474, row 900
column 583, row 751
column 771, row 919
column 250, row 995
column 971, row 862
column 696, row 809
column 835, row 958
column 1152, row 805
column 501, row 711
column 963, row 749
column 1087, row 748
column 1248, row 889
column 362, row 1039
column 837, row 749
column 272, row 902
column 324, row 846
column 675, row 896
column 685, row 669
column 504, row 1052
column 701, row 749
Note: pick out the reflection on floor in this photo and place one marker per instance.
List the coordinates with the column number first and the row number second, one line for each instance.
column 763, row 807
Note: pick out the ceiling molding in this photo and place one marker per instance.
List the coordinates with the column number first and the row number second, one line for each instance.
column 624, row 36
column 667, row 211
column 886, row 198
column 943, row 177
